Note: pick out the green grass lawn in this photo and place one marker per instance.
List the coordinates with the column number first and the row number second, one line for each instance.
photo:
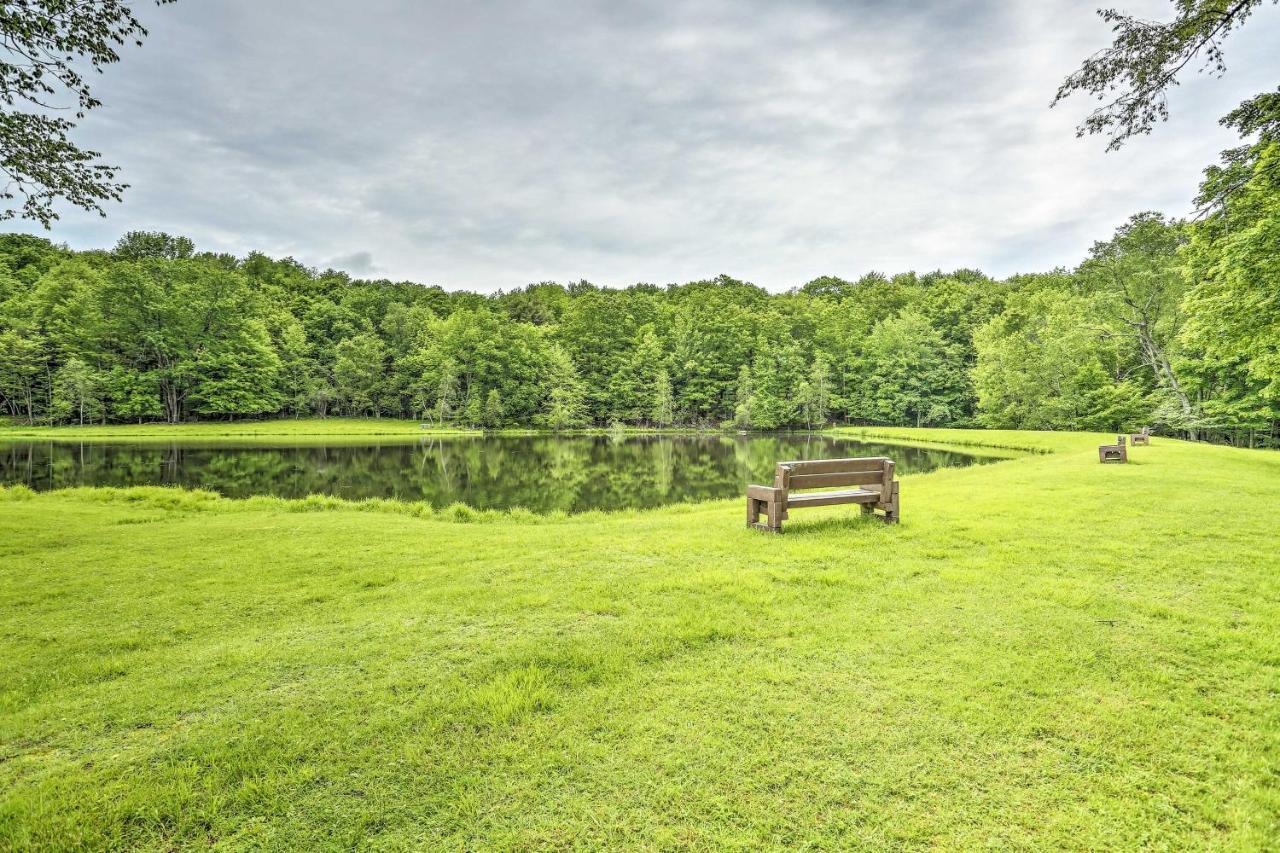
column 1047, row 653
column 215, row 429
column 283, row 429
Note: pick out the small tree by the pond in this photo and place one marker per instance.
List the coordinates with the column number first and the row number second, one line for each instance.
column 493, row 411
column 299, row 374
column 663, row 400
column 447, row 391
column 473, row 408
column 77, row 392
column 808, row 404
column 775, row 374
column 814, row 395
column 742, row 400
column 631, row 387
column 566, row 402
column 320, row 396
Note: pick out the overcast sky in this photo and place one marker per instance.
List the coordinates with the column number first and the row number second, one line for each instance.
column 491, row 144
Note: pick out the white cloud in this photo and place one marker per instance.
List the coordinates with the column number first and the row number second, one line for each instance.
column 488, row 145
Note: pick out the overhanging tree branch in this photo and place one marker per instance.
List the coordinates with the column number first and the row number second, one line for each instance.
column 43, row 43
column 1134, row 73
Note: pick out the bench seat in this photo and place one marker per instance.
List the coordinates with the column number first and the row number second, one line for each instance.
column 848, row 496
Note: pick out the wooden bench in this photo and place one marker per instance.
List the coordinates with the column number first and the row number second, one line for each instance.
column 1113, row 452
column 872, row 477
column 1143, row 438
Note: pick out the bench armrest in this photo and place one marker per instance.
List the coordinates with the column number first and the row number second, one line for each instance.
column 766, row 493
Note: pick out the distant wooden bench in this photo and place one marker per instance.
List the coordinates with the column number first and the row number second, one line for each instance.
column 1113, row 452
column 1143, row 438
column 873, row 477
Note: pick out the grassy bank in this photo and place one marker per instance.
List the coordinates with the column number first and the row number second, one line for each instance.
column 977, row 439
column 372, row 427
column 215, row 429
column 303, row 428
column 1046, row 653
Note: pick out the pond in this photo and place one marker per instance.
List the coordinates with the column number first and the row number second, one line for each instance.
column 541, row 472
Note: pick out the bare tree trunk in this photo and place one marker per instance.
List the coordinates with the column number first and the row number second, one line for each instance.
column 172, row 403
column 1163, row 370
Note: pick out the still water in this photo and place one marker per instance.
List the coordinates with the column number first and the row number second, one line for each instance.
column 541, row 473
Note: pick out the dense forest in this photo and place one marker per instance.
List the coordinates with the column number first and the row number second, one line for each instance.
column 1166, row 322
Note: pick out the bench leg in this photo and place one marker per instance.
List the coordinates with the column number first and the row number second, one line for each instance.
column 775, row 516
column 892, row 512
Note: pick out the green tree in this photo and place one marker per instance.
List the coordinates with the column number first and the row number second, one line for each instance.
column 713, row 326
column 487, row 352
column 1139, row 277
column 358, row 369
column 1258, row 123
column 137, row 245
column 598, row 330
column 132, row 394
column 1132, row 76
column 663, row 412
column 299, row 380
column 162, row 317
column 473, row 409
column 61, row 308
column 631, row 387
column 321, row 395
column 1044, row 363
column 566, row 397
column 538, row 304
column 77, row 392
column 743, row 399
column 1111, row 405
column 814, row 395
column 52, row 44
column 446, row 390
column 909, row 375
column 776, row 375
column 172, row 334
column 21, row 366
column 493, row 412
column 1232, row 330
column 237, row 374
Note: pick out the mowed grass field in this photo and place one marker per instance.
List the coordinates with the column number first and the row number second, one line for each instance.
column 1047, row 653
column 281, row 428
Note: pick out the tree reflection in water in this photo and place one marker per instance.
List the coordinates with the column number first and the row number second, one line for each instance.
column 542, row 473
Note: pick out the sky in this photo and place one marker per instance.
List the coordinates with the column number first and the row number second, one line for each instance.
column 492, row 144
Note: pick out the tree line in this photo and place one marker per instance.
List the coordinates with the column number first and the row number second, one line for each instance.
column 1167, row 322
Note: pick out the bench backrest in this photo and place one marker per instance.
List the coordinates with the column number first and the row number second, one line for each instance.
column 827, row 473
